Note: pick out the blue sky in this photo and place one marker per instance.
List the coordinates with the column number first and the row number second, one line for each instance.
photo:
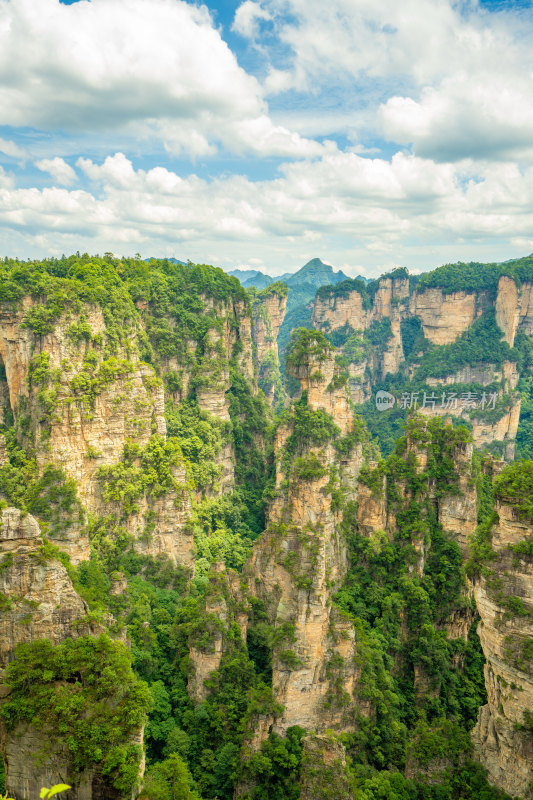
column 266, row 132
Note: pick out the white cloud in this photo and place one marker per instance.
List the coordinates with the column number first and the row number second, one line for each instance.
column 247, row 18
column 452, row 80
column 447, row 81
column 375, row 38
column 403, row 210
column 489, row 116
column 13, row 150
column 142, row 66
column 58, row 169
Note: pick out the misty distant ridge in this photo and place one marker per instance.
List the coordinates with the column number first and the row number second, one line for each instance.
column 314, row 274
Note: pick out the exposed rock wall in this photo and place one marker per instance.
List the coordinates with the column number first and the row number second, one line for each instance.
column 333, row 311
column 268, row 313
column 38, row 601
column 224, row 603
column 298, row 564
column 507, row 308
column 457, row 509
column 444, row 317
column 324, row 770
column 502, row 742
column 87, row 394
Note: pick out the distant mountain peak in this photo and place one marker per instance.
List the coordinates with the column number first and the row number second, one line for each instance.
column 317, row 273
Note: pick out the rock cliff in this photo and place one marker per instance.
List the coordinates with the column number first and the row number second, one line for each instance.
column 504, row 598
column 296, row 601
column 393, row 333
column 301, row 559
column 39, row 603
column 268, row 313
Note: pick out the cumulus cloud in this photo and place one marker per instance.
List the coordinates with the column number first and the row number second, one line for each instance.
column 13, row 150
column 447, row 78
column 484, row 117
column 157, row 65
column 446, row 83
column 248, row 17
column 383, row 211
column 58, row 169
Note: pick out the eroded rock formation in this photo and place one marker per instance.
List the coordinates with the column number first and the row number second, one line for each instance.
column 268, row 313
column 39, row 602
column 301, row 559
column 504, row 598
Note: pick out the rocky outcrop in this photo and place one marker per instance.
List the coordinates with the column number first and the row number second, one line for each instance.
column 485, row 429
column 16, row 349
column 222, row 605
column 338, row 308
column 38, row 599
column 87, row 395
column 457, row 509
column 444, row 317
column 503, row 430
column 27, row 772
column 301, row 560
column 526, row 308
column 392, row 294
column 507, row 308
column 483, row 374
column 268, row 313
column 504, row 597
column 324, row 773
column 317, row 375
column 333, row 310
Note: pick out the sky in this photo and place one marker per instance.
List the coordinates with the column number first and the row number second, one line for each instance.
column 261, row 134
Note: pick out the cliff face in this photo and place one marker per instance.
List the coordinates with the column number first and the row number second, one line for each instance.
column 324, row 773
column 504, row 598
column 351, row 614
column 268, row 313
column 351, row 311
column 333, row 311
column 84, row 407
column 83, row 395
column 224, row 604
column 444, row 317
column 123, row 404
column 39, row 602
column 301, row 559
column 390, row 330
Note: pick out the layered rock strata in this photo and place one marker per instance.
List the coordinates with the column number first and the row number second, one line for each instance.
column 268, row 313
column 504, row 597
column 301, row 560
column 38, row 602
column 223, row 605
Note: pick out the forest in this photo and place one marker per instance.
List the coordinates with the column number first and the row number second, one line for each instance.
column 406, row 729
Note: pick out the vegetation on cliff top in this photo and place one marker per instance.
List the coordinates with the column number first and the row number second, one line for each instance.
column 84, row 697
column 514, row 485
column 306, row 345
column 399, row 610
column 476, row 277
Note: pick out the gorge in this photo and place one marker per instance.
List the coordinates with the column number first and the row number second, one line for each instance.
column 226, row 574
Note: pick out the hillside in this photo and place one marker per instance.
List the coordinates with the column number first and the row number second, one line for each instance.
column 211, row 590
